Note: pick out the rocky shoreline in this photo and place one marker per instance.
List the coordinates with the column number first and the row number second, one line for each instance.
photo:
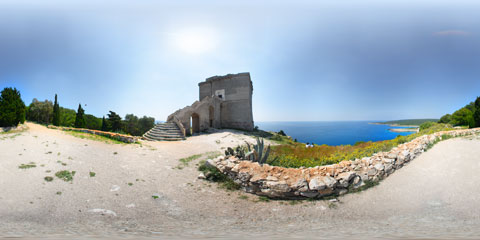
column 323, row 181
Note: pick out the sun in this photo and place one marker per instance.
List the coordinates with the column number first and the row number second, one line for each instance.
column 196, row 41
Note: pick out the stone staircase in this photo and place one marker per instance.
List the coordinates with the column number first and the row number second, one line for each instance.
column 164, row 132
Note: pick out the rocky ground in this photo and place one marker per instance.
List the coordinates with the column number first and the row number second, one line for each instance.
column 144, row 191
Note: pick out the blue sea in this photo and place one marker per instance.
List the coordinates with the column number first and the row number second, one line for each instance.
column 332, row 133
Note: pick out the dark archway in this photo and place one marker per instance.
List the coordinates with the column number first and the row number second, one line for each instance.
column 195, row 123
column 211, row 116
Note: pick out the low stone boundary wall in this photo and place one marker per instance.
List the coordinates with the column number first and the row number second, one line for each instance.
column 18, row 128
column 321, row 181
column 116, row 136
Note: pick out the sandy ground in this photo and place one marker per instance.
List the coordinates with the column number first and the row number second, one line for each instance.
column 436, row 195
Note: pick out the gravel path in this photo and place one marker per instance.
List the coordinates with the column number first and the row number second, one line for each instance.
column 436, row 195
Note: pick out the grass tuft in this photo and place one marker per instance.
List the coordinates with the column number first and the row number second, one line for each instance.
column 65, row 175
column 27, row 166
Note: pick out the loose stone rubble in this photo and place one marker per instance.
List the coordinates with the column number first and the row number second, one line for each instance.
column 321, row 181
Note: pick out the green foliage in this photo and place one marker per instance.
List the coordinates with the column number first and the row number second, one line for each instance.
column 41, row 112
column 27, row 166
column 65, row 175
column 415, row 122
column 12, row 108
column 104, row 124
column 92, row 174
column 214, row 175
column 48, row 178
column 445, row 118
column 255, row 153
column 282, row 133
column 463, row 117
column 67, row 117
column 185, row 161
column 115, row 121
column 56, row 112
column 144, row 124
column 466, row 116
column 297, row 155
column 476, row 114
column 92, row 122
column 79, row 118
column 426, row 125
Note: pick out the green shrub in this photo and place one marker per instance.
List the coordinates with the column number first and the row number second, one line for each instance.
column 296, row 155
column 426, row 125
column 65, row 175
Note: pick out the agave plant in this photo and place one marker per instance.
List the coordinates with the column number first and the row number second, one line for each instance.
column 258, row 153
column 252, row 152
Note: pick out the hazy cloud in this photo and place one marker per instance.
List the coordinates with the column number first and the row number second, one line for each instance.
column 452, row 33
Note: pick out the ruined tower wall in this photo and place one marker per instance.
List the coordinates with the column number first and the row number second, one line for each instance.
column 236, row 91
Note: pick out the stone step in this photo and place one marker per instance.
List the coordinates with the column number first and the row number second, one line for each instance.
column 164, row 132
column 164, row 135
column 169, row 131
column 163, row 139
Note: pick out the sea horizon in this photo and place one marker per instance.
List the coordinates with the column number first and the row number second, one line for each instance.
column 333, row 132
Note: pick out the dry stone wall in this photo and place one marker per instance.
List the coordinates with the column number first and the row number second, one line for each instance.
column 321, row 181
column 116, row 136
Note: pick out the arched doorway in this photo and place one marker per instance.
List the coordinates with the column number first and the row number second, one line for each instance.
column 195, row 123
column 211, row 116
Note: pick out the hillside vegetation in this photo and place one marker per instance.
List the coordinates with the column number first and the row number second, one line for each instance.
column 466, row 116
column 410, row 122
column 294, row 155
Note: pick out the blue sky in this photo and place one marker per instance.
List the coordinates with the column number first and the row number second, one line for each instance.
column 309, row 60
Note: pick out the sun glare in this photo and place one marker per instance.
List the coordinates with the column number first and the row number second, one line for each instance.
column 196, row 41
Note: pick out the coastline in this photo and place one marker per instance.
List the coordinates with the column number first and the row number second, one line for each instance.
column 394, row 125
column 399, row 130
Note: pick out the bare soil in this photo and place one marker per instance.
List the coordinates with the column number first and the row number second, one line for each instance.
column 139, row 191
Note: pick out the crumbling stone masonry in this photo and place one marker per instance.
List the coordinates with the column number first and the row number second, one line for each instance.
column 224, row 102
column 321, row 181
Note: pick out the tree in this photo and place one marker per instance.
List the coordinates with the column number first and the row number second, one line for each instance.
column 56, row 112
column 67, row 117
column 92, row 122
column 104, row 124
column 145, row 123
column 131, row 125
column 445, row 118
column 79, row 118
column 463, row 117
column 476, row 114
column 115, row 121
column 41, row 112
column 12, row 108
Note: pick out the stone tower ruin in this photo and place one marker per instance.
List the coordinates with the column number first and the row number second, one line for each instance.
column 224, row 102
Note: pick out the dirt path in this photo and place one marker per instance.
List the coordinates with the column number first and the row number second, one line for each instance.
column 435, row 195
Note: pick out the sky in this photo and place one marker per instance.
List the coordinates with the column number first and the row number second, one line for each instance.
column 336, row 60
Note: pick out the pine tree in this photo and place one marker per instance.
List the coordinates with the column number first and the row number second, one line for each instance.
column 115, row 121
column 56, row 112
column 104, row 124
column 79, row 119
column 12, row 108
column 476, row 114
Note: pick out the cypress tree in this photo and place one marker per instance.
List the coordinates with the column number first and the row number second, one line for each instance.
column 56, row 112
column 79, row 118
column 104, row 124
